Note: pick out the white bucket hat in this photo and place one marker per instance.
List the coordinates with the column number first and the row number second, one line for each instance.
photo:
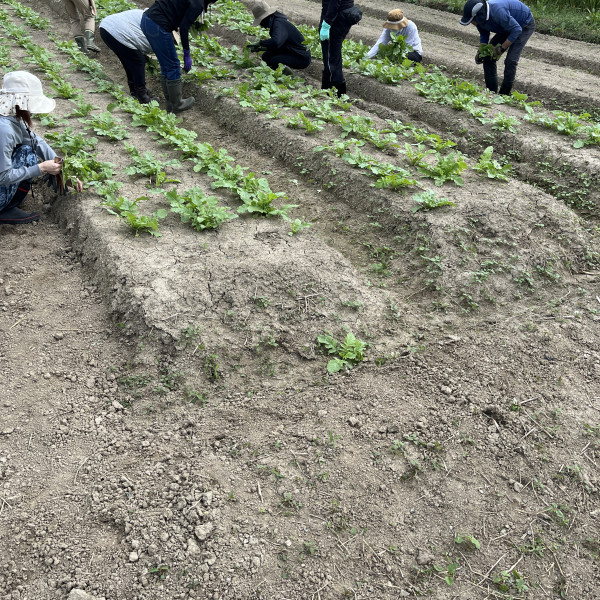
column 24, row 90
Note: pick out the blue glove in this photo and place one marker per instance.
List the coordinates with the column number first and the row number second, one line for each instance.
column 324, row 33
column 187, row 61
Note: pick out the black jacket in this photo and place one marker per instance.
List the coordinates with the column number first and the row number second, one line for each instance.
column 332, row 8
column 284, row 36
column 176, row 14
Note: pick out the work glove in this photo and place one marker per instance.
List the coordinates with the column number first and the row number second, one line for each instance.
column 256, row 47
column 324, row 32
column 478, row 59
column 187, row 61
column 499, row 50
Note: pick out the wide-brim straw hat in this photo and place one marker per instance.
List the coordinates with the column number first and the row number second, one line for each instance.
column 395, row 20
column 29, row 88
column 261, row 10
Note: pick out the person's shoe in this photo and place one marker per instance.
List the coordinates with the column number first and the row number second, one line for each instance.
column 20, row 195
column 288, row 71
column 143, row 96
column 506, row 88
column 174, row 89
column 340, row 87
column 163, row 85
column 89, row 41
column 325, row 81
column 16, row 216
column 80, row 41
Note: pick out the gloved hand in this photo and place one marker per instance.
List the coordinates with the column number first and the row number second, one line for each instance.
column 478, row 59
column 187, row 61
column 324, row 32
column 499, row 50
column 256, row 47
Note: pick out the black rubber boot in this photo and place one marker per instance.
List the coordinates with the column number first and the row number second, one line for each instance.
column 325, row 81
column 131, row 87
column 506, row 88
column 20, row 195
column 143, row 96
column 490, row 74
column 89, row 40
column 16, row 216
column 80, row 41
column 178, row 104
column 340, row 86
column 165, row 90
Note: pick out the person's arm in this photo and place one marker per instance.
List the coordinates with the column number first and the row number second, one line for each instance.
column 279, row 35
column 384, row 39
column 195, row 9
column 484, row 36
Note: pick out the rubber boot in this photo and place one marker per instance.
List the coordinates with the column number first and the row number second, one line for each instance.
column 340, row 87
column 163, row 84
column 506, row 88
column 178, row 104
column 287, row 71
column 16, row 216
column 80, row 41
column 89, row 40
column 142, row 95
column 490, row 74
column 20, row 195
column 131, row 87
column 325, row 81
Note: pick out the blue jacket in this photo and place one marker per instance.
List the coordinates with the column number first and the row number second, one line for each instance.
column 505, row 16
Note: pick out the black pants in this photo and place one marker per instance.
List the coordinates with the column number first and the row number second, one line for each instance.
column 332, row 51
column 414, row 56
column 133, row 61
column 278, row 56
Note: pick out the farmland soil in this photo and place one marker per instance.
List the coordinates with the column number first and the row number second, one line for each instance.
column 169, row 429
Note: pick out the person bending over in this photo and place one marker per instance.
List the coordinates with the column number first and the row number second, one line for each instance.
column 398, row 24
column 286, row 44
column 24, row 154
column 78, row 11
column 122, row 33
column 513, row 24
column 158, row 24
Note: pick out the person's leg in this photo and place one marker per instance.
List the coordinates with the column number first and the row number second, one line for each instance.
column 490, row 66
column 12, row 196
column 513, row 55
column 170, row 67
column 74, row 18
column 293, row 61
column 84, row 8
column 337, row 34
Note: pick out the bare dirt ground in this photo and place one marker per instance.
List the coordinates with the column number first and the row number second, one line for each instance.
column 169, row 429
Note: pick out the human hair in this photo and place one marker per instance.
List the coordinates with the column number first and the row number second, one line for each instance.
column 24, row 115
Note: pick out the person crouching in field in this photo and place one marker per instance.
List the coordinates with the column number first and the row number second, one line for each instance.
column 22, row 149
column 158, row 24
column 513, row 24
column 122, row 33
column 397, row 23
column 85, row 10
column 286, row 44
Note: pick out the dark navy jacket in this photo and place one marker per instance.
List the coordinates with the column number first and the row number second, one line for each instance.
column 284, row 37
column 176, row 14
column 505, row 16
column 332, row 8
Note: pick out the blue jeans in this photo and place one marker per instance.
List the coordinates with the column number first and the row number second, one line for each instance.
column 513, row 54
column 164, row 47
column 332, row 51
column 23, row 156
